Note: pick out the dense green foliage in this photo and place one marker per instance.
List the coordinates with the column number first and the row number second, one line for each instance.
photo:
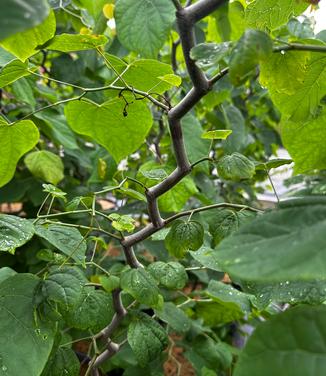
column 133, row 237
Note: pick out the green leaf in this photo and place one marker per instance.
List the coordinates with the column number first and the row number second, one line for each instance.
column 19, row 330
column 224, row 293
column 146, row 37
column 235, row 122
column 254, row 46
column 220, row 134
column 14, row 232
column 63, row 362
column 284, row 244
column 270, row 14
column 12, row 71
column 76, row 42
column 122, row 222
column 120, row 135
column 94, row 311
column 207, row 257
column 209, row 54
column 302, row 100
column 23, row 91
column 38, row 35
column 145, row 74
column 175, row 199
column 17, row 16
column 64, row 286
column 45, row 165
column 68, row 240
column 140, row 285
column 54, row 191
column 294, row 339
column 235, row 167
column 184, row 237
column 174, row 317
column 158, row 174
column 292, row 292
column 146, row 338
column 15, row 141
column 303, row 140
column 109, row 283
column 273, row 163
column 171, row 275
column 5, row 273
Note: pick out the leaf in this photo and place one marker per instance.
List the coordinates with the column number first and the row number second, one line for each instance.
column 141, row 286
column 150, row 22
column 253, row 47
column 304, row 98
column 17, row 16
column 45, row 165
column 63, row 286
column 235, row 122
column 145, row 74
column 184, row 237
column 63, row 362
column 120, row 135
column 76, row 42
column 38, row 35
column 282, row 245
column 235, row 167
column 94, row 311
column 19, row 329
column 68, row 240
column 156, row 174
column 209, row 54
column 146, row 338
column 12, row 71
column 171, row 275
column 174, row 317
column 23, row 91
column 273, row 163
column 303, row 142
column 14, row 232
column 292, row 292
column 54, row 191
column 270, row 14
column 206, row 257
column 220, row 134
column 294, row 339
column 175, row 199
column 109, row 283
column 15, row 141
column 6, row 272
column 122, row 222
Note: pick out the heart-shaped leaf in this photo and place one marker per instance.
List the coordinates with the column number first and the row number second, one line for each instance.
column 120, row 129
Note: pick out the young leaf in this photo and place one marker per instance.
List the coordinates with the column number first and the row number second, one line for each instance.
column 94, row 311
column 38, row 35
column 253, row 47
column 15, row 141
column 119, row 134
column 76, row 42
column 45, row 165
column 19, row 328
column 146, row 338
column 122, row 222
column 146, row 37
column 171, row 275
column 12, row 71
column 293, row 339
column 68, row 240
column 14, row 232
column 140, row 285
column 17, row 16
column 184, row 237
column 283, row 245
column 235, row 167
column 220, row 134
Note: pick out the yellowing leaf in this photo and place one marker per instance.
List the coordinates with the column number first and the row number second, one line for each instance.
column 220, row 134
column 108, row 11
